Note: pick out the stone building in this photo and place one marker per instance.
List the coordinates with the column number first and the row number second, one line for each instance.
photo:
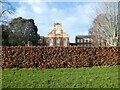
column 84, row 40
column 57, row 37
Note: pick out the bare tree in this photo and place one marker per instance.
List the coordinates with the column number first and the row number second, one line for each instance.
column 104, row 27
column 119, row 23
column 5, row 9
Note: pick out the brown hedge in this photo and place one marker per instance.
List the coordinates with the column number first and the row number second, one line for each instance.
column 59, row 57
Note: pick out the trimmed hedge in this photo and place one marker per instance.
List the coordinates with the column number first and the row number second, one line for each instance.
column 59, row 57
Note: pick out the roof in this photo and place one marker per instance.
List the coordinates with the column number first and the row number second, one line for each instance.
column 84, row 36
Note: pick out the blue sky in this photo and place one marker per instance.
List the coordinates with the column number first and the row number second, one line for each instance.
column 76, row 17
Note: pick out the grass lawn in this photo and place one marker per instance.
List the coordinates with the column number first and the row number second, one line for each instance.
column 84, row 77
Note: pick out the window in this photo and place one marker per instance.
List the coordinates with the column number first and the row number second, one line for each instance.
column 84, row 40
column 78, row 40
column 87, row 39
column 81, row 40
column 57, row 42
column 84, row 44
column 79, row 45
column 51, row 42
column 91, row 40
column 90, row 44
column 57, row 31
column 64, row 42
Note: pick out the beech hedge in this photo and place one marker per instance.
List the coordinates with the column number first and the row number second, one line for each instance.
column 58, row 57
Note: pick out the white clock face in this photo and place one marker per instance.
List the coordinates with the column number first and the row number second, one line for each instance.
column 57, row 31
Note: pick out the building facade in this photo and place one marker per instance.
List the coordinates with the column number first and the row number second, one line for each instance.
column 57, row 37
column 84, row 40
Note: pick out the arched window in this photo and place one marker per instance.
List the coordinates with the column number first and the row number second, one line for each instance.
column 51, row 42
column 57, row 42
column 57, row 31
column 64, row 42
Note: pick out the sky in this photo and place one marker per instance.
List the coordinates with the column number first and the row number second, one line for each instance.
column 76, row 17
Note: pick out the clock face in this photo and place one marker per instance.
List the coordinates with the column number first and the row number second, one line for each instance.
column 57, row 31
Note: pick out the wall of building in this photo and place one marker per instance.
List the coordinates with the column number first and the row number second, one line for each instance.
column 84, row 40
column 54, row 41
column 59, row 57
column 57, row 34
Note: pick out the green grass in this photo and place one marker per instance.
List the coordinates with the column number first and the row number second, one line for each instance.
column 84, row 77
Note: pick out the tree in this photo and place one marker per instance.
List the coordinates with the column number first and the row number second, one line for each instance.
column 104, row 27
column 5, row 33
column 23, row 31
column 119, row 23
column 5, row 10
column 100, row 30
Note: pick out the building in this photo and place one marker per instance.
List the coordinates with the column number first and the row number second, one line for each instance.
column 42, row 41
column 84, row 40
column 57, row 37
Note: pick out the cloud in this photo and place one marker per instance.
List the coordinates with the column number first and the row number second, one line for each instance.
column 74, row 18
column 63, row 0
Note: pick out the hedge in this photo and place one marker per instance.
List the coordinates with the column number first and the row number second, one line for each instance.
column 58, row 57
